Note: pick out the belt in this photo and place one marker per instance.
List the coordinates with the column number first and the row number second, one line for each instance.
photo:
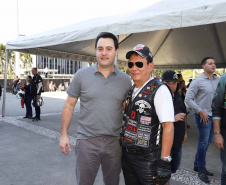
column 138, row 151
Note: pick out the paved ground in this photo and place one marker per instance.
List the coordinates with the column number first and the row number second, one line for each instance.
column 30, row 153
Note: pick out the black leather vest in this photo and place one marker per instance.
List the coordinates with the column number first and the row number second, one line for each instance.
column 141, row 128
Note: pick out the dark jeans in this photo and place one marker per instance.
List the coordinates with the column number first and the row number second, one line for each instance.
column 223, row 160
column 138, row 168
column 205, row 133
column 37, row 108
column 176, row 153
column 27, row 102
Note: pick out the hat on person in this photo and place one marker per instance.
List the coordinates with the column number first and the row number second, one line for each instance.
column 141, row 50
column 169, row 76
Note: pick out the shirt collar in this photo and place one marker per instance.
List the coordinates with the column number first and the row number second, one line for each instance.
column 95, row 69
column 204, row 76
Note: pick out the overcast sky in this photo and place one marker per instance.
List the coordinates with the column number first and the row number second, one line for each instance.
column 37, row 16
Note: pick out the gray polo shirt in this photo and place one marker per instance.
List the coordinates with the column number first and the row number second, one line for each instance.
column 200, row 93
column 100, row 101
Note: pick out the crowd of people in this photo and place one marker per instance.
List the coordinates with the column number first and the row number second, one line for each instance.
column 153, row 126
column 30, row 94
column 154, row 122
column 53, row 87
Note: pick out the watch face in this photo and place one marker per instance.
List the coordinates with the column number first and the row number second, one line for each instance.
column 168, row 158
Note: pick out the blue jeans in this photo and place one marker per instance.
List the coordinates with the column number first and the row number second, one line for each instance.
column 27, row 102
column 176, row 153
column 223, row 160
column 17, row 87
column 205, row 133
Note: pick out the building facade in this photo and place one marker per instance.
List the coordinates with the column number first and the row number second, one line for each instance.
column 60, row 66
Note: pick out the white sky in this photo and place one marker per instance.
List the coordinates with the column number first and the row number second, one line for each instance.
column 37, row 16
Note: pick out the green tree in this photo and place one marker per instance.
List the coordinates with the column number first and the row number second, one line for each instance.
column 2, row 56
column 124, row 69
column 26, row 60
column 11, row 63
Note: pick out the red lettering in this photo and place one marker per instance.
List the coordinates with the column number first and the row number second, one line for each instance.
column 133, row 114
column 131, row 128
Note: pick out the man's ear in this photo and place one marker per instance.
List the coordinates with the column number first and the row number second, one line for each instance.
column 151, row 65
column 116, row 52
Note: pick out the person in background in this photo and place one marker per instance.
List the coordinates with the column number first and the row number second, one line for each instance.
column 46, row 71
column 51, row 86
column 54, row 87
column 66, row 85
column 16, row 85
column 199, row 98
column 180, row 77
column 182, row 89
column 61, row 88
column 219, row 123
column 190, row 80
column 36, row 90
column 180, row 124
column 0, row 92
column 28, row 97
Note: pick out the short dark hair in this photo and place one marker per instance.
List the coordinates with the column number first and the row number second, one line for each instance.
column 29, row 77
column 205, row 59
column 179, row 75
column 107, row 35
column 35, row 68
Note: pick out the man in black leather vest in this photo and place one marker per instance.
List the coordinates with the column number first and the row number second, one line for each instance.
column 147, row 130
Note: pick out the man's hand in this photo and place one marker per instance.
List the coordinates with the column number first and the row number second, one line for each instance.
column 38, row 96
column 64, row 141
column 219, row 141
column 179, row 117
column 163, row 172
column 204, row 117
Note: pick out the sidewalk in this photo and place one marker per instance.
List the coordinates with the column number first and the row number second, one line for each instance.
column 30, row 153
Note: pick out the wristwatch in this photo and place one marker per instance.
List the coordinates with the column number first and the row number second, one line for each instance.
column 167, row 159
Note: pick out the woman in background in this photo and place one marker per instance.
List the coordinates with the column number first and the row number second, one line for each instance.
column 28, row 97
column 182, row 89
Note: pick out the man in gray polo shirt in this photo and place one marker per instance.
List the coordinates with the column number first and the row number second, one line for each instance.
column 199, row 98
column 102, row 89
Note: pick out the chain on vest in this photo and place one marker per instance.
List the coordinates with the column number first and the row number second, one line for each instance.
column 141, row 128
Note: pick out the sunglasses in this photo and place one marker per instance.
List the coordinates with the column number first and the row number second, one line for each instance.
column 138, row 64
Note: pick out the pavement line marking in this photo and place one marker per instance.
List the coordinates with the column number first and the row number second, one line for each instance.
column 37, row 129
column 182, row 175
column 46, row 114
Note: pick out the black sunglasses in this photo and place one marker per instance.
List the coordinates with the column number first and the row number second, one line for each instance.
column 138, row 64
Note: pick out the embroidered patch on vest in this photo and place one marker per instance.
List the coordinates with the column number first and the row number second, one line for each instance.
column 142, row 106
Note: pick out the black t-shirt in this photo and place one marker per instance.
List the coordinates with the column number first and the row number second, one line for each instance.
column 34, row 85
column 16, row 81
column 27, row 89
column 179, row 127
